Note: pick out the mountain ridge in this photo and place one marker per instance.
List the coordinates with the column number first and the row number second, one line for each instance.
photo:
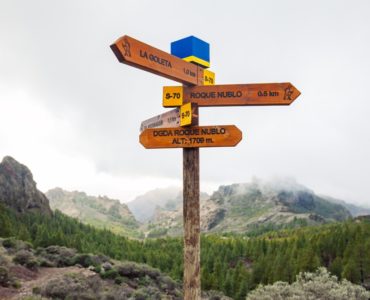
column 101, row 211
column 243, row 207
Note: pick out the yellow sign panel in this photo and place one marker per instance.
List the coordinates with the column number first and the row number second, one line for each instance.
column 172, row 96
column 185, row 115
column 209, row 78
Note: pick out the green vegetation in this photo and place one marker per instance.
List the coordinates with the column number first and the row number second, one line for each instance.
column 233, row 264
column 100, row 212
column 318, row 285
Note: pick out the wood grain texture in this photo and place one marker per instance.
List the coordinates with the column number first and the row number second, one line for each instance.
column 191, row 137
column 241, row 94
column 191, row 214
column 140, row 55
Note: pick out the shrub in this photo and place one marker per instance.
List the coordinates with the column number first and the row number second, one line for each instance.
column 84, row 260
column 57, row 255
column 130, row 269
column 318, row 285
column 12, row 245
column 9, row 243
column 111, row 274
column 43, row 262
column 118, row 280
column 167, row 283
column 140, row 295
column 87, row 260
column 4, row 276
column 72, row 286
column 26, row 258
column 97, row 269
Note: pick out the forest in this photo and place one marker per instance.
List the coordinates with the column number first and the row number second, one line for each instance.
column 234, row 264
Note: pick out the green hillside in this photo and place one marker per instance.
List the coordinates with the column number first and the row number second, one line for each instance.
column 250, row 208
column 100, row 212
column 232, row 264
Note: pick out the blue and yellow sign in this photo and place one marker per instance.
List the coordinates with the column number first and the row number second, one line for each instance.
column 192, row 49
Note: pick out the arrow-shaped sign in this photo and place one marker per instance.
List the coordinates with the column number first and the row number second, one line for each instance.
column 232, row 94
column 191, row 137
column 168, row 119
column 137, row 54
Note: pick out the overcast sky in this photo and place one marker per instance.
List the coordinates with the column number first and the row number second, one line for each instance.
column 71, row 112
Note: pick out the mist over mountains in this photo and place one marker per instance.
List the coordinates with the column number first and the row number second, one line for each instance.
column 238, row 208
column 257, row 209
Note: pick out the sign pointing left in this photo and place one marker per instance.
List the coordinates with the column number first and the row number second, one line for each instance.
column 191, row 137
column 140, row 55
column 168, row 119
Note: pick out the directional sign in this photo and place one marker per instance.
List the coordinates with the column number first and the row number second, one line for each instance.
column 239, row 94
column 168, row 119
column 186, row 114
column 137, row 54
column 191, row 137
column 209, row 78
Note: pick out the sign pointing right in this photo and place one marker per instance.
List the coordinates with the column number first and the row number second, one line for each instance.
column 233, row 94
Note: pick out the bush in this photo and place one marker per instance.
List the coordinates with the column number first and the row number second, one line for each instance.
column 4, row 276
column 130, row 269
column 57, row 255
column 318, row 285
column 9, row 243
column 87, row 260
column 140, row 295
column 84, row 260
column 111, row 274
column 72, row 286
column 97, row 269
column 26, row 258
column 118, row 280
column 167, row 283
column 16, row 245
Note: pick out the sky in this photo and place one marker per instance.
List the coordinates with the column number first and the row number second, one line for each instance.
column 71, row 112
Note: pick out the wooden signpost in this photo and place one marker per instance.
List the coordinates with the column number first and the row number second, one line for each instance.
column 137, row 54
column 179, row 128
column 191, row 137
column 231, row 94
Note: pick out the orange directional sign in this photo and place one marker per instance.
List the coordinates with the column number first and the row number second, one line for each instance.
column 191, row 137
column 137, row 54
column 237, row 94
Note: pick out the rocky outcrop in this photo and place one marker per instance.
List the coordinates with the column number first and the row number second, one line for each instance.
column 18, row 189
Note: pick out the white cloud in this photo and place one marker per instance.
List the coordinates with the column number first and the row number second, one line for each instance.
column 71, row 112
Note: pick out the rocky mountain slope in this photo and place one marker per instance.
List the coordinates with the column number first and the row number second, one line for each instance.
column 18, row 189
column 244, row 207
column 144, row 206
column 355, row 210
column 101, row 212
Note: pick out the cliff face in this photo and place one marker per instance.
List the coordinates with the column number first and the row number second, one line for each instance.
column 18, row 189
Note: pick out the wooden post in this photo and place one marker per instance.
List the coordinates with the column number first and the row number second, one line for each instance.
column 191, row 191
